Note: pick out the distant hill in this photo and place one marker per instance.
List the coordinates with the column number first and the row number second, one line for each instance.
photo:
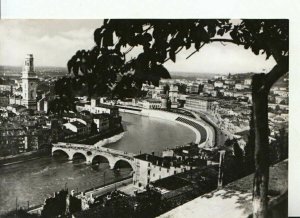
column 191, row 75
column 15, row 71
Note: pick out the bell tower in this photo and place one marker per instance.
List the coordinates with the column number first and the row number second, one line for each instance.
column 29, row 83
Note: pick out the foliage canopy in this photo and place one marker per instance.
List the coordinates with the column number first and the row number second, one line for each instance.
column 112, row 68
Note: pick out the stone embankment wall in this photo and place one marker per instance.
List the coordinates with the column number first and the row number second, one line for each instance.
column 109, row 140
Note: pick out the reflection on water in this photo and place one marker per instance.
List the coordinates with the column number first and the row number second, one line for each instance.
column 34, row 180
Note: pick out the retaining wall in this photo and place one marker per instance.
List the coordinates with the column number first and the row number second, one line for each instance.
column 109, row 140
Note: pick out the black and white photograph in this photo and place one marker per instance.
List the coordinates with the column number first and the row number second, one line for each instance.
column 142, row 118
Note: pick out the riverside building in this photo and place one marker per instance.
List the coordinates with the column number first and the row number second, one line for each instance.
column 151, row 103
column 200, row 103
column 150, row 168
column 97, row 107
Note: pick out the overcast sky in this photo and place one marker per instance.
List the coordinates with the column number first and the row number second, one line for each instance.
column 53, row 42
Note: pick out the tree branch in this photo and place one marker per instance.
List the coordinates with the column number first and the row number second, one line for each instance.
column 275, row 53
column 129, row 50
column 225, row 40
column 194, row 51
column 281, row 68
column 144, row 31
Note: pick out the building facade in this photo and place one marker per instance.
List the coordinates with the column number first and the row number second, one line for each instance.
column 101, row 121
column 199, row 103
column 29, row 83
column 151, row 104
column 150, row 168
column 95, row 107
column 173, row 93
column 6, row 88
column 4, row 100
column 192, row 88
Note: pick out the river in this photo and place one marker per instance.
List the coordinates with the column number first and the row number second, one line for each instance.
column 34, row 180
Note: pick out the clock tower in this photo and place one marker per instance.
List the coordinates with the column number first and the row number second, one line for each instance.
column 29, row 83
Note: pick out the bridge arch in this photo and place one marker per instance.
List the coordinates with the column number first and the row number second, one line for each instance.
column 121, row 163
column 97, row 159
column 79, row 156
column 61, row 152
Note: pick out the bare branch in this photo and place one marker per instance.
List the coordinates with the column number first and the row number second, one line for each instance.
column 150, row 27
column 129, row 50
column 222, row 43
column 194, row 52
column 225, row 40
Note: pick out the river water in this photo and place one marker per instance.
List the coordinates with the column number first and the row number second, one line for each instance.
column 34, row 180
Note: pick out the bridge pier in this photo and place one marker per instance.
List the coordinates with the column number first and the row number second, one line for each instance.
column 89, row 159
column 112, row 164
column 70, row 158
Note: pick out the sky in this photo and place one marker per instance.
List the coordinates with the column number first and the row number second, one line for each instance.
column 53, row 42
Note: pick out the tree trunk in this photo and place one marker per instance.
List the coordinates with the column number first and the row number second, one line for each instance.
column 261, row 154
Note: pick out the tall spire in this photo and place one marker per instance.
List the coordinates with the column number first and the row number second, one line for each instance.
column 29, row 83
column 28, row 69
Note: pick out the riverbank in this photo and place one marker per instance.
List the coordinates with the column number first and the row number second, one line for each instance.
column 220, row 135
column 23, row 157
column 109, row 140
column 92, row 139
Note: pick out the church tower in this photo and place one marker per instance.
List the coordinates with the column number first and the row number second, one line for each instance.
column 29, row 83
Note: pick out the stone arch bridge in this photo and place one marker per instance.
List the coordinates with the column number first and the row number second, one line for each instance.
column 90, row 152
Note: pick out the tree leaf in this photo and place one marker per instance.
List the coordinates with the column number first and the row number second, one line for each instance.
column 188, row 43
column 70, row 65
column 221, row 31
column 147, row 37
column 162, row 72
column 98, row 36
column 197, row 45
column 108, row 38
column 172, row 55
